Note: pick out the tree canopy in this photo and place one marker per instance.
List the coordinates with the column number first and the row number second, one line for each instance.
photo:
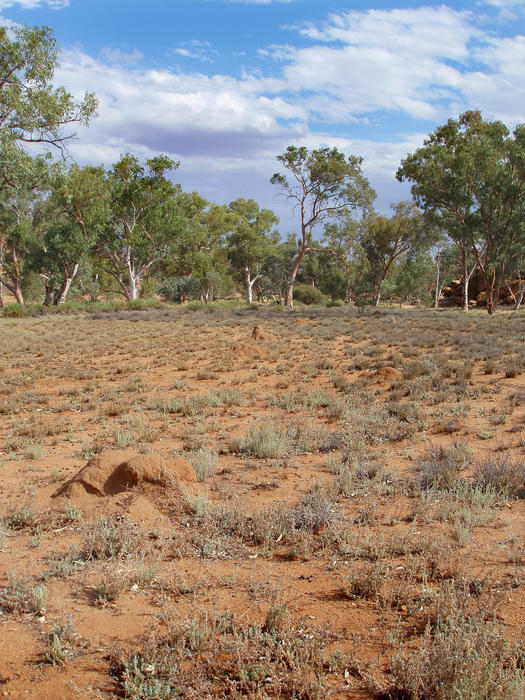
column 322, row 183
column 469, row 175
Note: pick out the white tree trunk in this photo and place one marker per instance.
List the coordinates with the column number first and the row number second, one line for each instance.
column 1, row 274
column 438, row 290
column 249, row 283
column 133, row 280
column 66, row 286
column 519, row 298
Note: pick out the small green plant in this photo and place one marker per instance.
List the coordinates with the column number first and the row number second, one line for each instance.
column 21, row 596
column 441, row 466
column 465, row 657
column 502, row 475
column 114, row 536
column 195, row 503
column 266, row 440
column 109, row 588
column 367, row 581
column 61, row 644
column 204, row 462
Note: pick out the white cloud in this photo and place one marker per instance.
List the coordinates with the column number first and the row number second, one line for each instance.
column 121, row 57
column 31, row 4
column 357, row 68
column 183, row 114
column 199, row 50
column 408, row 61
column 504, row 3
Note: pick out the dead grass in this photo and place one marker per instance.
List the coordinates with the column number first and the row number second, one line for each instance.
column 345, row 536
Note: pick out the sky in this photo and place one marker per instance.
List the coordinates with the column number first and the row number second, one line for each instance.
column 224, row 86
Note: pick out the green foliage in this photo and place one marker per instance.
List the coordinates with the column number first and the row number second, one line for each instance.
column 323, row 184
column 250, row 240
column 15, row 310
column 32, row 109
column 176, row 289
column 468, row 177
column 144, row 215
column 306, row 294
column 385, row 240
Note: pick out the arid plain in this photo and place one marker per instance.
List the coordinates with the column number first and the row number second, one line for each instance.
column 330, row 506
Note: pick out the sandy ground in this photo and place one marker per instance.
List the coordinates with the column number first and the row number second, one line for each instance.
column 302, row 470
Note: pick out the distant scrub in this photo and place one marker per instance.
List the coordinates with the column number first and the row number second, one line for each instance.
column 70, row 307
column 305, row 294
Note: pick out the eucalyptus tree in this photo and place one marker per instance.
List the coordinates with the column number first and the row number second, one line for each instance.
column 515, row 282
column 321, row 183
column 386, row 239
column 31, row 109
column 446, row 256
column 197, row 249
column 340, row 240
column 20, row 197
column 470, row 176
column 250, row 241
column 413, row 279
column 275, row 269
column 142, row 223
column 71, row 220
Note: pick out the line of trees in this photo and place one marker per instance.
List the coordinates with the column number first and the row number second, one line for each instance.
column 129, row 229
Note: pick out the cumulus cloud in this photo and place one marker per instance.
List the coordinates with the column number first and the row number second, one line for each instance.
column 179, row 113
column 351, row 74
column 409, row 61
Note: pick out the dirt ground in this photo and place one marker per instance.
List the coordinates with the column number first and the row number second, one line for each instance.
column 191, row 509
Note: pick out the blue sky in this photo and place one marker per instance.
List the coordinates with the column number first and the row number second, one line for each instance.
column 226, row 85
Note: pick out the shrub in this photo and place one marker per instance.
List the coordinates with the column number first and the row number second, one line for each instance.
column 305, row 294
column 502, row 475
column 112, row 536
column 441, row 466
column 204, row 462
column 215, row 656
column 20, row 596
column 464, row 658
column 266, row 440
column 62, row 644
column 175, row 288
column 19, row 310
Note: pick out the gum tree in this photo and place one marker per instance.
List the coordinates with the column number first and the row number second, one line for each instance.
column 196, row 247
column 140, row 229
column 469, row 175
column 386, row 239
column 250, row 241
column 340, row 241
column 20, row 197
column 32, row 110
column 72, row 218
column 321, row 183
